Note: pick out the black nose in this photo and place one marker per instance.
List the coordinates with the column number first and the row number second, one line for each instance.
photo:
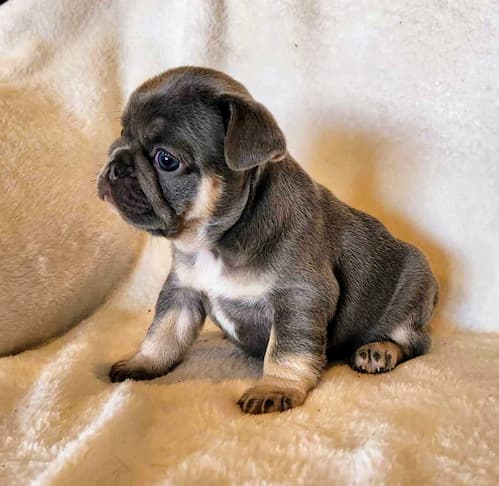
column 118, row 170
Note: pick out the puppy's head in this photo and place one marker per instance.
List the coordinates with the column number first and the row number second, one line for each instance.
column 191, row 138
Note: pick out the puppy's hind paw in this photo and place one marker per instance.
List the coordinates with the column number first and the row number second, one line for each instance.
column 376, row 357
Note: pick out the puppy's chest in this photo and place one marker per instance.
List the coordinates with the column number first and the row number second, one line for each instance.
column 236, row 298
column 208, row 274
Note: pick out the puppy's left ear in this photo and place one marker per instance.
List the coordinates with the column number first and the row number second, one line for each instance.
column 252, row 136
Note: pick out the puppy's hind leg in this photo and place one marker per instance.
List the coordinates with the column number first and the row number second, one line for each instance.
column 179, row 317
column 383, row 355
column 397, row 338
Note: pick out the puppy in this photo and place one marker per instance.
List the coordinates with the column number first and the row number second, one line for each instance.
column 290, row 273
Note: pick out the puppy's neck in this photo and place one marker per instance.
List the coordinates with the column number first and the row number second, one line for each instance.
column 204, row 234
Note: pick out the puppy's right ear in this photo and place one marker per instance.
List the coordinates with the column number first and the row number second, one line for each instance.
column 252, row 136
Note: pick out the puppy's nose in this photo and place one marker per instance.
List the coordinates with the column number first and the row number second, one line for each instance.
column 118, row 170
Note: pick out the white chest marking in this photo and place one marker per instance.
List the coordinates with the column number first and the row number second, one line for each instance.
column 225, row 323
column 208, row 275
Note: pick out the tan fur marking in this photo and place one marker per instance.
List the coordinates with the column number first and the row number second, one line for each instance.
column 199, row 214
column 206, row 200
column 285, row 382
column 300, row 370
column 168, row 340
column 165, row 344
column 294, row 369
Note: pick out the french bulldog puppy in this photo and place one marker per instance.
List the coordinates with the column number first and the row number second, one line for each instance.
column 289, row 272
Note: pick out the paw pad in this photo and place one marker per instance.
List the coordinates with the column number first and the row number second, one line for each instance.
column 375, row 357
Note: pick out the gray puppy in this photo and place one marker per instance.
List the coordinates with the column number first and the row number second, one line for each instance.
column 289, row 272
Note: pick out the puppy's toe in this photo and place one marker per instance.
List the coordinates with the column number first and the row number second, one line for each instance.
column 130, row 369
column 264, row 399
column 376, row 357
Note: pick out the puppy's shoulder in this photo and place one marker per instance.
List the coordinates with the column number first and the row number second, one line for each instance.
column 289, row 186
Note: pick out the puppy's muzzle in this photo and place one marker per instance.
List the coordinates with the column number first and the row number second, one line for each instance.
column 117, row 170
column 149, row 183
column 120, row 166
column 126, row 162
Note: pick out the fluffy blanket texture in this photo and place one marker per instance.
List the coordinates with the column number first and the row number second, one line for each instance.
column 393, row 105
column 432, row 420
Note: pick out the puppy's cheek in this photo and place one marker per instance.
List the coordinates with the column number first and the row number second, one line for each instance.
column 131, row 202
column 206, row 199
column 128, row 192
column 112, row 206
column 193, row 235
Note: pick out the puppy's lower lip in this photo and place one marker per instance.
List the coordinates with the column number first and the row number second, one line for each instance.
column 112, row 205
column 105, row 194
column 107, row 197
column 104, row 190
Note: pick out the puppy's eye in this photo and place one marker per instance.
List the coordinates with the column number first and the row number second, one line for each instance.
column 166, row 161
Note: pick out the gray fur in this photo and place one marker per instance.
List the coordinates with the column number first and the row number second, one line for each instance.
column 340, row 279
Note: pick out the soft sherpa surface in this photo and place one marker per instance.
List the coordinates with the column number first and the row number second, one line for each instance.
column 432, row 420
column 393, row 105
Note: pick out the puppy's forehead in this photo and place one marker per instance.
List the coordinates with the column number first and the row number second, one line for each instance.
column 175, row 91
column 193, row 77
column 149, row 109
column 151, row 117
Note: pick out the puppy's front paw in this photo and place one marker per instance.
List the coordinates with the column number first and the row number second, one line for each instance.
column 376, row 357
column 268, row 399
column 131, row 369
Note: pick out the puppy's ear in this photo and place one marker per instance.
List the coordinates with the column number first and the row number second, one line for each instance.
column 252, row 136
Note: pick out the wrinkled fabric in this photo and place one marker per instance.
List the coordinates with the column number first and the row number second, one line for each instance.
column 392, row 106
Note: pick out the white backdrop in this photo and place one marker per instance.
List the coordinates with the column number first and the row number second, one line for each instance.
column 393, row 105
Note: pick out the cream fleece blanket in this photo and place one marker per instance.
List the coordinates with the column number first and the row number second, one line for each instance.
column 392, row 105
column 433, row 420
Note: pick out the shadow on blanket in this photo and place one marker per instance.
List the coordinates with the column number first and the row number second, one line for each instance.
column 348, row 163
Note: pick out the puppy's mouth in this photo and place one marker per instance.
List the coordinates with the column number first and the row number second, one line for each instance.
column 104, row 192
column 127, row 199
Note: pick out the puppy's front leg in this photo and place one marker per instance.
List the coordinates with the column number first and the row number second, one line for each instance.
column 294, row 359
column 179, row 316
